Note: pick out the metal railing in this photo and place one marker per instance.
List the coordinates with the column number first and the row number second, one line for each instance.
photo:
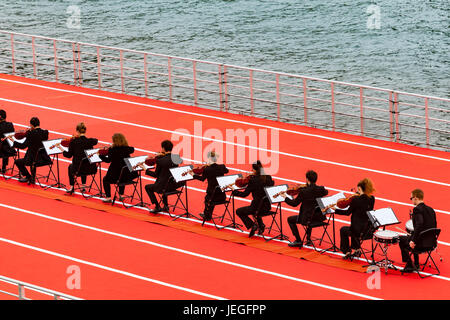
column 22, row 286
column 334, row 105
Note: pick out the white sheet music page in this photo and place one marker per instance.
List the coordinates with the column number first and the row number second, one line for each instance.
column 326, row 201
column 274, row 191
column 8, row 134
column 228, row 181
column 385, row 216
column 182, row 173
column 51, row 146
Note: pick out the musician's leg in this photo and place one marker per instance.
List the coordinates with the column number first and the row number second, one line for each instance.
column 20, row 163
column 107, row 187
column 292, row 221
column 71, row 175
column 149, row 188
column 5, row 163
column 404, row 248
column 244, row 213
column 345, row 234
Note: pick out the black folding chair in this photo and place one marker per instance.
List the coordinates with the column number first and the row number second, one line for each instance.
column 276, row 226
column 39, row 164
column 226, row 211
column 130, row 182
column 434, row 234
column 93, row 185
column 312, row 224
column 14, row 156
column 168, row 192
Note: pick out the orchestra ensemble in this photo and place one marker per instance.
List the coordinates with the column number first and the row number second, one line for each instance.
column 303, row 196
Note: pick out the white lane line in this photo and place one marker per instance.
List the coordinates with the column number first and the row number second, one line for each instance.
column 278, row 178
column 228, row 120
column 227, row 142
column 96, row 265
column 190, row 253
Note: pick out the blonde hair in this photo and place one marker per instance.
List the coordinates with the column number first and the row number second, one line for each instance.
column 119, row 140
column 81, row 127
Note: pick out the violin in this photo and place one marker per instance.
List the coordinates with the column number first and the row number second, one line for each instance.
column 196, row 170
column 243, row 181
column 342, row 203
column 101, row 152
column 65, row 142
column 151, row 161
column 292, row 190
column 19, row 135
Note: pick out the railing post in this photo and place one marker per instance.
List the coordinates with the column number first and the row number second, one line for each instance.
column 80, row 69
column 333, row 111
column 145, row 75
column 225, row 85
column 122, row 72
column 55, row 54
column 361, row 107
column 169, row 71
column 396, row 116
column 252, row 102
column 391, row 120
column 74, row 52
column 12, row 55
column 99, row 68
column 21, row 292
column 194, row 74
column 277, row 80
column 305, row 102
column 220, row 88
column 427, row 124
column 33, row 48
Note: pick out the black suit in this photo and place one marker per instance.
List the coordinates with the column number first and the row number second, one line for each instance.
column 423, row 218
column 6, row 150
column 164, row 181
column 359, row 223
column 33, row 144
column 116, row 157
column 260, row 204
column 213, row 192
column 307, row 213
column 76, row 150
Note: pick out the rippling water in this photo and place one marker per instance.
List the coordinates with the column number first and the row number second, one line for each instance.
column 325, row 39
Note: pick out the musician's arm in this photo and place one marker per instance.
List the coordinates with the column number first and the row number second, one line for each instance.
column 296, row 201
column 21, row 145
column 244, row 193
column 200, row 177
column 69, row 152
column 418, row 224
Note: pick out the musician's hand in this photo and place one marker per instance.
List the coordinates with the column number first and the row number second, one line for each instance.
column 61, row 148
column 10, row 138
column 283, row 194
column 412, row 244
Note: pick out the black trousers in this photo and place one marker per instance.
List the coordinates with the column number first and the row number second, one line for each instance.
column 244, row 213
column 5, row 162
column 210, row 203
column 20, row 163
column 72, row 173
column 151, row 189
column 293, row 221
column 405, row 248
column 346, row 236
column 107, row 182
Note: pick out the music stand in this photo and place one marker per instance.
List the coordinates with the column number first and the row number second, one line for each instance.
column 274, row 195
column 227, row 184
column 182, row 174
column 51, row 148
column 134, row 165
column 11, row 144
column 93, row 157
column 323, row 203
column 382, row 218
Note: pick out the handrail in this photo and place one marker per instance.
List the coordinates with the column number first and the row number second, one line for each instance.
column 24, row 285
column 335, row 105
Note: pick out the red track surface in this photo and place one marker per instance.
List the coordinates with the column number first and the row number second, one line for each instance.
column 395, row 169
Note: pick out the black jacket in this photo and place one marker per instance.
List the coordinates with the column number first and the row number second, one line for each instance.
column 164, row 182
column 76, row 150
column 211, row 173
column 256, row 187
column 116, row 157
column 307, row 197
column 33, row 144
column 359, row 222
column 423, row 218
column 5, row 149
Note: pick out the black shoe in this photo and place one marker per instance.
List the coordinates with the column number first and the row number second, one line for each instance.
column 156, row 210
column 205, row 218
column 261, row 229
column 70, row 191
column 408, row 268
column 3, row 171
column 253, row 230
column 24, row 179
column 296, row 244
column 348, row 256
column 309, row 242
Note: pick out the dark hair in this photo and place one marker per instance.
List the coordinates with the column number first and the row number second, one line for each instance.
column 35, row 122
column 417, row 193
column 167, row 145
column 81, row 127
column 311, row 176
column 2, row 115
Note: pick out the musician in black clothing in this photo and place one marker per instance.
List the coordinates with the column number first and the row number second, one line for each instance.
column 213, row 192
column 164, row 181
column 359, row 223
column 258, row 207
column 423, row 218
column 80, row 164
column 116, row 157
column 34, row 155
column 308, row 211
column 6, row 150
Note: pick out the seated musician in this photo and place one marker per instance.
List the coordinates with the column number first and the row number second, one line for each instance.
column 78, row 144
column 307, row 197
column 116, row 155
column 423, row 218
column 33, row 142
column 256, row 184
column 359, row 223
column 6, row 150
column 213, row 193
column 164, row 161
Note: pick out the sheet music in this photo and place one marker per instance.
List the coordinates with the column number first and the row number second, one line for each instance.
column 50, row 148
column 272, row 191
column 181, row 173
column 92, row 155
column 227, row 181
column 326, row 201
column 134, row 161
column 12, row 134
column 384, row 216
